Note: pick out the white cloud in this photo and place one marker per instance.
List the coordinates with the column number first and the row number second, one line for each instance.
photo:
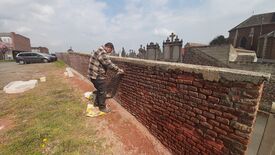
column 23, row 29
column 84, row 25
column 43, row 13
column 162, row 32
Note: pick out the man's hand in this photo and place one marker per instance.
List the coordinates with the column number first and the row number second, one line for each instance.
column 120, row 71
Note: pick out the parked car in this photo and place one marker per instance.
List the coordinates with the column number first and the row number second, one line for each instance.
column 53, row 54
column 33, row 57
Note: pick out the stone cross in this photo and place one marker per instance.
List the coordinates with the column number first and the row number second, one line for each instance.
column 172, row 36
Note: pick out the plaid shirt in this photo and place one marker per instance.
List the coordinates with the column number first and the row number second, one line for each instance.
column 99, row 63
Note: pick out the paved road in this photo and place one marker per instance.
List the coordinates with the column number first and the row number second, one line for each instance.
column 11, row 71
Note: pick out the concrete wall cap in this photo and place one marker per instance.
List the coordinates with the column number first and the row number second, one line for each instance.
column 209, row 73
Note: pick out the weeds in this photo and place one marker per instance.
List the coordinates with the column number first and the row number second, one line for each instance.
column 49, row 119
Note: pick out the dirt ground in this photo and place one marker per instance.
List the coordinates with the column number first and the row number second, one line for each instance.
column 121, row 130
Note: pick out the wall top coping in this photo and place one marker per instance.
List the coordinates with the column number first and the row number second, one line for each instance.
column 209, row 73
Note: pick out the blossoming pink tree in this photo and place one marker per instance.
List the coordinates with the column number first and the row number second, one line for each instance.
column 3, row 49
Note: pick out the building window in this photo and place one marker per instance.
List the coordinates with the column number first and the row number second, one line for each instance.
column 243, row 42
column 251, row 34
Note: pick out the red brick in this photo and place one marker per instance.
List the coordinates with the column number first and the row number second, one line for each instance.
column 207, row 125
column 240, row 127
column 191, row 124
column 222, row 120
column 213, row 99
column 211, row 133
column 230, row 116
column 192, row 88
column 198, row 111
column 180, row 137
column 216, row 112
column 201, row 118
column 190, row 113
column 191, row 142
column 205, row 91
column 200, row 147
column 244, row 135
column 195, row 120
column 171, row 127
column 194, row 94
column 226, row 128
column 208, row 115
column 202, row 96
column 187, row 107
column 238, row 138
column 197, row 84
column 214, row 123
column 209, row 137
column 251, row 93
column 249, row 109
column 203, row 107
column 189, row 82
column 196, row 100
column 219, row 147
column 218, row 130
column 199, row 131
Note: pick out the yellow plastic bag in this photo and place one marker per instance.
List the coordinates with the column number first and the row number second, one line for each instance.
column 92, row 111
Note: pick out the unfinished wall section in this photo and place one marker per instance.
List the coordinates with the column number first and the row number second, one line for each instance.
column 191, row 109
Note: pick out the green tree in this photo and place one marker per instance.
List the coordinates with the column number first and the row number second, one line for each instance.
column 219, row 40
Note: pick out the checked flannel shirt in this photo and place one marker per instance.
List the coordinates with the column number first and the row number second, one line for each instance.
column 99, row 63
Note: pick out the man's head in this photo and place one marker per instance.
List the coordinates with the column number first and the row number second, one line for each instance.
column 109, row 47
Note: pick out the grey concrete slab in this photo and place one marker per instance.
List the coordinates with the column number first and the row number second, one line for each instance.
column 257, row 134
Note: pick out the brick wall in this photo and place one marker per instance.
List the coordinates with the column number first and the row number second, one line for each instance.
column 268, row 93
column 191, row 109
column 244, row 32
column 21, row 43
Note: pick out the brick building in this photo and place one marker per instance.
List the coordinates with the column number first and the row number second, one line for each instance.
column 266, row 46
column 40, row 49
column 16, row 43
column 246, row 35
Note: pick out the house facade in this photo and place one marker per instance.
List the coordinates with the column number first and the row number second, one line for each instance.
column 40, row 49
column 248, row 33
column 16, row 43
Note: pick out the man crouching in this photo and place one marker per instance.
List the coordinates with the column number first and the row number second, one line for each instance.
column 98, row 66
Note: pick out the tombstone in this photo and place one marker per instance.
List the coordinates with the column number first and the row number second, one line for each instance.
column 172, row 49
column 132, row 54
column 153, row 51
column 141, row 52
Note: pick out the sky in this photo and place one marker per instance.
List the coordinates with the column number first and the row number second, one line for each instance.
column 85, row 25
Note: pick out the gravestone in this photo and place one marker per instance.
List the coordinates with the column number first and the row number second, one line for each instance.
column 142, row 52
column 153, row 51
column 172, row 49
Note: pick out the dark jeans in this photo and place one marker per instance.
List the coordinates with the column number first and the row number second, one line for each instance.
column 100, row 85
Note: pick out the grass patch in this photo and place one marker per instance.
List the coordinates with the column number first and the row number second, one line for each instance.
column 49, row 120
column 7, row 60
column 60, row 64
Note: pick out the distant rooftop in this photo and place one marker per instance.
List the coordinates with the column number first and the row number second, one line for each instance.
column 266, row 18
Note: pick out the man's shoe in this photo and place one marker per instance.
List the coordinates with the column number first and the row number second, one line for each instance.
column 95, row 105
column 106, row 110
